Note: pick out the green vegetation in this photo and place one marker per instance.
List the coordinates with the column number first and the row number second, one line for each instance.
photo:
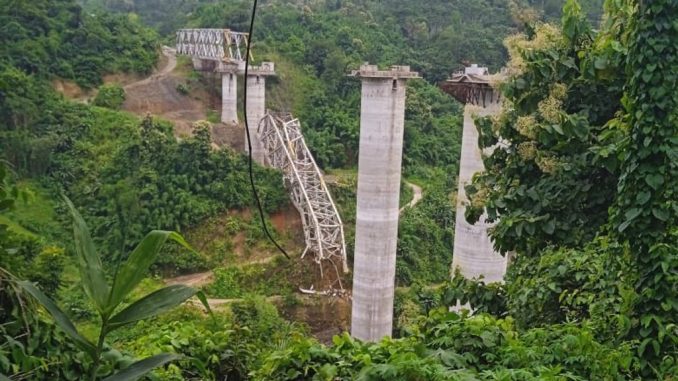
column 56, row 38
column 277, row 277
column 110, row 96
column 108, row 297
column 645, row 213
column 564, row 140
column 582, row 189
column 447, row 346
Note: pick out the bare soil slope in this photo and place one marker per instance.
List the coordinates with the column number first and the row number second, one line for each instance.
column 158, row 95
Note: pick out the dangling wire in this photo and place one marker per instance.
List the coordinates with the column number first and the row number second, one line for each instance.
column 249, row 138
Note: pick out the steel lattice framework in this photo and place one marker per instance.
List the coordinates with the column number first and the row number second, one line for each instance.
column 221, row 45
column 286, row 150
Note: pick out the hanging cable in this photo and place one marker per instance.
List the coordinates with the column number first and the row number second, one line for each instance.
column 249, row 138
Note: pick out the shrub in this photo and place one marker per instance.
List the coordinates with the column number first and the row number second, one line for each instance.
column 110, row 96
column 573, row 285
column 183, row 89
column 450, row 347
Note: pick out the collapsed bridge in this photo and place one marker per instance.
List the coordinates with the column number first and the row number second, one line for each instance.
column 286, row 150
column 277, row 140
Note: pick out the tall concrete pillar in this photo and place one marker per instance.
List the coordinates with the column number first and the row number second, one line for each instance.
column 229, row 97
column 382, row 119
column 256, row 106
column 473, row 251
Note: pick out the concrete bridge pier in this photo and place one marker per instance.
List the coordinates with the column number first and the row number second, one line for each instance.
column 474, row 254
column 382, row 120
column 229, row 93
column 256, row 106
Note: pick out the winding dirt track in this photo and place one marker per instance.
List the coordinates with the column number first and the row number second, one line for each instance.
column 169, row 67
column 158, row 95
column 418, row 194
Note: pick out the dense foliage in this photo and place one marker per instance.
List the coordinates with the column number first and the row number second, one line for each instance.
column 581, row 185
column 646, row 209
column 108, row 297
column 110, row 96
column 56, row 38
column 447, row 346
column 553, row 180
column 151, row 179
column 543, row 182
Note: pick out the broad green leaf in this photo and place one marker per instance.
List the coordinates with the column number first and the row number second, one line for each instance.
column 91, row 271
column 661, row 214
column 633, row 213
column 59, row 317
column 643, row 197
column 152, row 304
column 4, row 378
column 549, row 226
column 135, row 268
column 141, row 367
column 203, row 299
column 655, row 181
column 600, row 63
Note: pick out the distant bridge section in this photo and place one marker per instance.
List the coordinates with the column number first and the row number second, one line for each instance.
column 473, row 85
column 223, row 45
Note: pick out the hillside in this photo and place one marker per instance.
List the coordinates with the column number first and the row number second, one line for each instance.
column 109, row 143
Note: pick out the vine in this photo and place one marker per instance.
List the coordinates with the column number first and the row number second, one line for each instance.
column 646, row 209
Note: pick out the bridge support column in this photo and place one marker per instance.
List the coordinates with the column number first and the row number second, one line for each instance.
column 382, row 120
column 229, row 97
column 256, row 106
column 474, row 254
column 256, row 109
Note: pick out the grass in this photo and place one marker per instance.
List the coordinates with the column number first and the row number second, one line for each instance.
column 15, row 227
column 36, row 217
column 277, row 277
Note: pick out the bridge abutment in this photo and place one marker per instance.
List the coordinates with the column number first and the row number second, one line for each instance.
column 382, row 120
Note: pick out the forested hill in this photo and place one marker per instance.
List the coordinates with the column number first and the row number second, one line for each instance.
column 582, row 189
column 57, row 38
column 434, row 37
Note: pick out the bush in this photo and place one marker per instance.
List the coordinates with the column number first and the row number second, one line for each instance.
column 218, row 347
column 482, row 297
column 450, row 347
column 263, row 279
column 47, row 269
column 183, row 89
column 594, row 283
column 110, row 96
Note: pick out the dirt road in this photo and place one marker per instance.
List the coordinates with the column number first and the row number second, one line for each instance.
column 165, row 71
column 158, row 95
column 418, row 194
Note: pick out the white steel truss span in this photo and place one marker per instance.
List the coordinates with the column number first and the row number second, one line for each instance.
column 286, row 150
column 212, row 44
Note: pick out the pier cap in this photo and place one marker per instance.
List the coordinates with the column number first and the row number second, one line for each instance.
column 396, row 72
column 265, row 69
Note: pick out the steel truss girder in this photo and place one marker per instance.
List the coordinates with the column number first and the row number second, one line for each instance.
column 221, row 45
column 286, row 150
